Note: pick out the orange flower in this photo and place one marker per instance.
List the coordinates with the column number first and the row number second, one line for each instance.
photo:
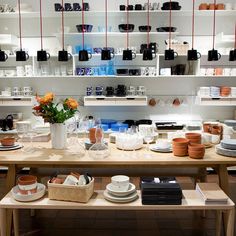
column 71, row 103
column 46, row 99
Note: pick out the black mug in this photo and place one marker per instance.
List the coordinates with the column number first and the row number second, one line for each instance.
column 138, row 7
column 130, row 8
column 122, row 7
column 213, row 55
column 232, row 55
column 68, row 7
column 84, row 55
column 128, row 55
column 86, row 6
column 64, row 56
column 193, row 55
column 170, row 54
column 3, row 56
column 42, row 55
column 148, row 55
column 22, row 56
column 107, row 54
column 58, row 7
column 76, row 7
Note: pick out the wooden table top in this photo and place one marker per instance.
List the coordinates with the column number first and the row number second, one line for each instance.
column 45, row 155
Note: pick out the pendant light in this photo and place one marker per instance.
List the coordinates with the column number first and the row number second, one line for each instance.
column 213, row 54
column 170, row 54
column 84, row 55
column 21, row 55
column 148, row 54
column 193, row 54
column 3, row 55
column 63, row 55
column 42, row 55
column 106, row 52
column 232, row 53
column 128, row 54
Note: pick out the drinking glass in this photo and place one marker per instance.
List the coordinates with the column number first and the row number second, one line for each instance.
column 122, row 132
column 31, row 133
column 22, row 130
column 71, row 129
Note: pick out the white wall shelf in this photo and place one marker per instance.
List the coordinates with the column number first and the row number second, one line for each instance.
column 115, row 101
column 181, row 13
column 16, row 101
column 8, row 39
column 221, row 101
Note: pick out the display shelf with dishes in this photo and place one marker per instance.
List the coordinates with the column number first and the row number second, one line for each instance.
column 218, row 101
column 15, row 101
column 115, row 101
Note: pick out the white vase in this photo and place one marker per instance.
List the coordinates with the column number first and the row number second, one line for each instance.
column 58, row 135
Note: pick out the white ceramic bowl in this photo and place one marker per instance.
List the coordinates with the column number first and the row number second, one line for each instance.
column 119, row 183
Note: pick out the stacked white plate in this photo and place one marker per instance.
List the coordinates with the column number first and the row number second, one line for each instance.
column 227, row 147
column 41, row 189
column 9, row 148
column 159, row 148
column 215, row 92
column 231, row 123
column 120, row 196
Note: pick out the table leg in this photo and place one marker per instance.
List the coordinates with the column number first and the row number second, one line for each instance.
column 218, row 222
column 3, row 216
column 229, row 224
column 224, row 178
column 16, row 222
column 10, row 182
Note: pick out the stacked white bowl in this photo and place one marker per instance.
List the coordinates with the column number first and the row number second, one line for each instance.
column 204, row 92
column 214, row 91
column 233, row 91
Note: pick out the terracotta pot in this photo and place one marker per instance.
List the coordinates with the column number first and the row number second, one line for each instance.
column 196, row 154
column 220, row 6
column 206, row 128
column 179, row 151
column 203, row 6
column 92, row 136
column 218, row 71
column 27, row 184
column 182, row 142
column 212, row 6
column 216, row 129
column 196, row 147
column 8, row 141
column 193, row 137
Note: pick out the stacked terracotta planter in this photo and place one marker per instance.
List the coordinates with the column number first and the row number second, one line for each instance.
column 194, row 137
column 196, row 151
column 180, row 146
column 225, row 91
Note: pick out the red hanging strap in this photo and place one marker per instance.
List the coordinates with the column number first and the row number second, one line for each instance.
column 193, row 24
column 20, row 25
column 106, row 22
column 170, row 23
column 41, row 23
column 62, row 26
column 148, row 23
column 83, row 23
column 235, row 37
column 127, row 21
column 214, row 25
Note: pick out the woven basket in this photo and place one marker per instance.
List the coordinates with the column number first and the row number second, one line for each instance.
column 70, row 192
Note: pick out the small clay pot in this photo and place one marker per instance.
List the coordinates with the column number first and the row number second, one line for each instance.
column 196, row 154
column 179, row 151
column 27, row 184
column 220, row 6
column 8, row 141
column 182, row 142
column 212, row 6
column 152, row 102
column 203, row 6
column 92, row 136
column 207, row 128
column 194, row 137
column 196, row 147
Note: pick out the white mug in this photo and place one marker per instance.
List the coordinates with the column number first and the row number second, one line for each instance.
column 215, row 139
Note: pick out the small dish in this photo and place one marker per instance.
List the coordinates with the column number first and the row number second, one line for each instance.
column 41, row 189
column 126, row 28
column 15, row 147
column 132, row 197
column 155, row 148
column 84, row 28
column 130, row 190
column 166, row 29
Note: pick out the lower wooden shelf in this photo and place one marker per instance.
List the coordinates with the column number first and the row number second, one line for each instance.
column 115, row 101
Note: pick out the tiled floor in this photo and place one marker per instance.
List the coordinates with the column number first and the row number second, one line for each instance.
column 121, row 223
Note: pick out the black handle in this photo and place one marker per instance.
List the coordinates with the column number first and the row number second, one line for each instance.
column 100, row 98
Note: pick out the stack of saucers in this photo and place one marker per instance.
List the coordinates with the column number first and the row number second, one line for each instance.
column 215, row 92
column 227, row 147
column 120, row 190
column 161, row 146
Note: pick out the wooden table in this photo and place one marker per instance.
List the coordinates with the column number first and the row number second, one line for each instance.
column 191, row 201
column 47, row 157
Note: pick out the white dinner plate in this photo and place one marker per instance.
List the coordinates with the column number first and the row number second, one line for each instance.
column 116, row 199
column 130, row 190
column 155, row 148
column 225, row 152
column 41, row 188
column 9, row 148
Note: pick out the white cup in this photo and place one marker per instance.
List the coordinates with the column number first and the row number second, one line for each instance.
column 120, row 183
column 28, row 70
column 206, row 138
column 20, row 71
column 163, row 144
column 71, row 180
column 202, row 71
column 215, row 139
column 210, row 71
column 165, row 71
column 233, row 72
column 227, row 71
column 228, row 6
column 6, row 93
column 63, row 70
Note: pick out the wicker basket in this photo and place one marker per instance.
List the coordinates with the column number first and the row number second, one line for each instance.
column 70, row 192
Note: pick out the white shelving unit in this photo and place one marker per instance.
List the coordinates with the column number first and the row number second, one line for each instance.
column 221, row 101
column 115, row 101
column 8, row 39
column 16, row 101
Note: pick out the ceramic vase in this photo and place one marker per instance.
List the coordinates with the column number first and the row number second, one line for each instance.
column 58, row 135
